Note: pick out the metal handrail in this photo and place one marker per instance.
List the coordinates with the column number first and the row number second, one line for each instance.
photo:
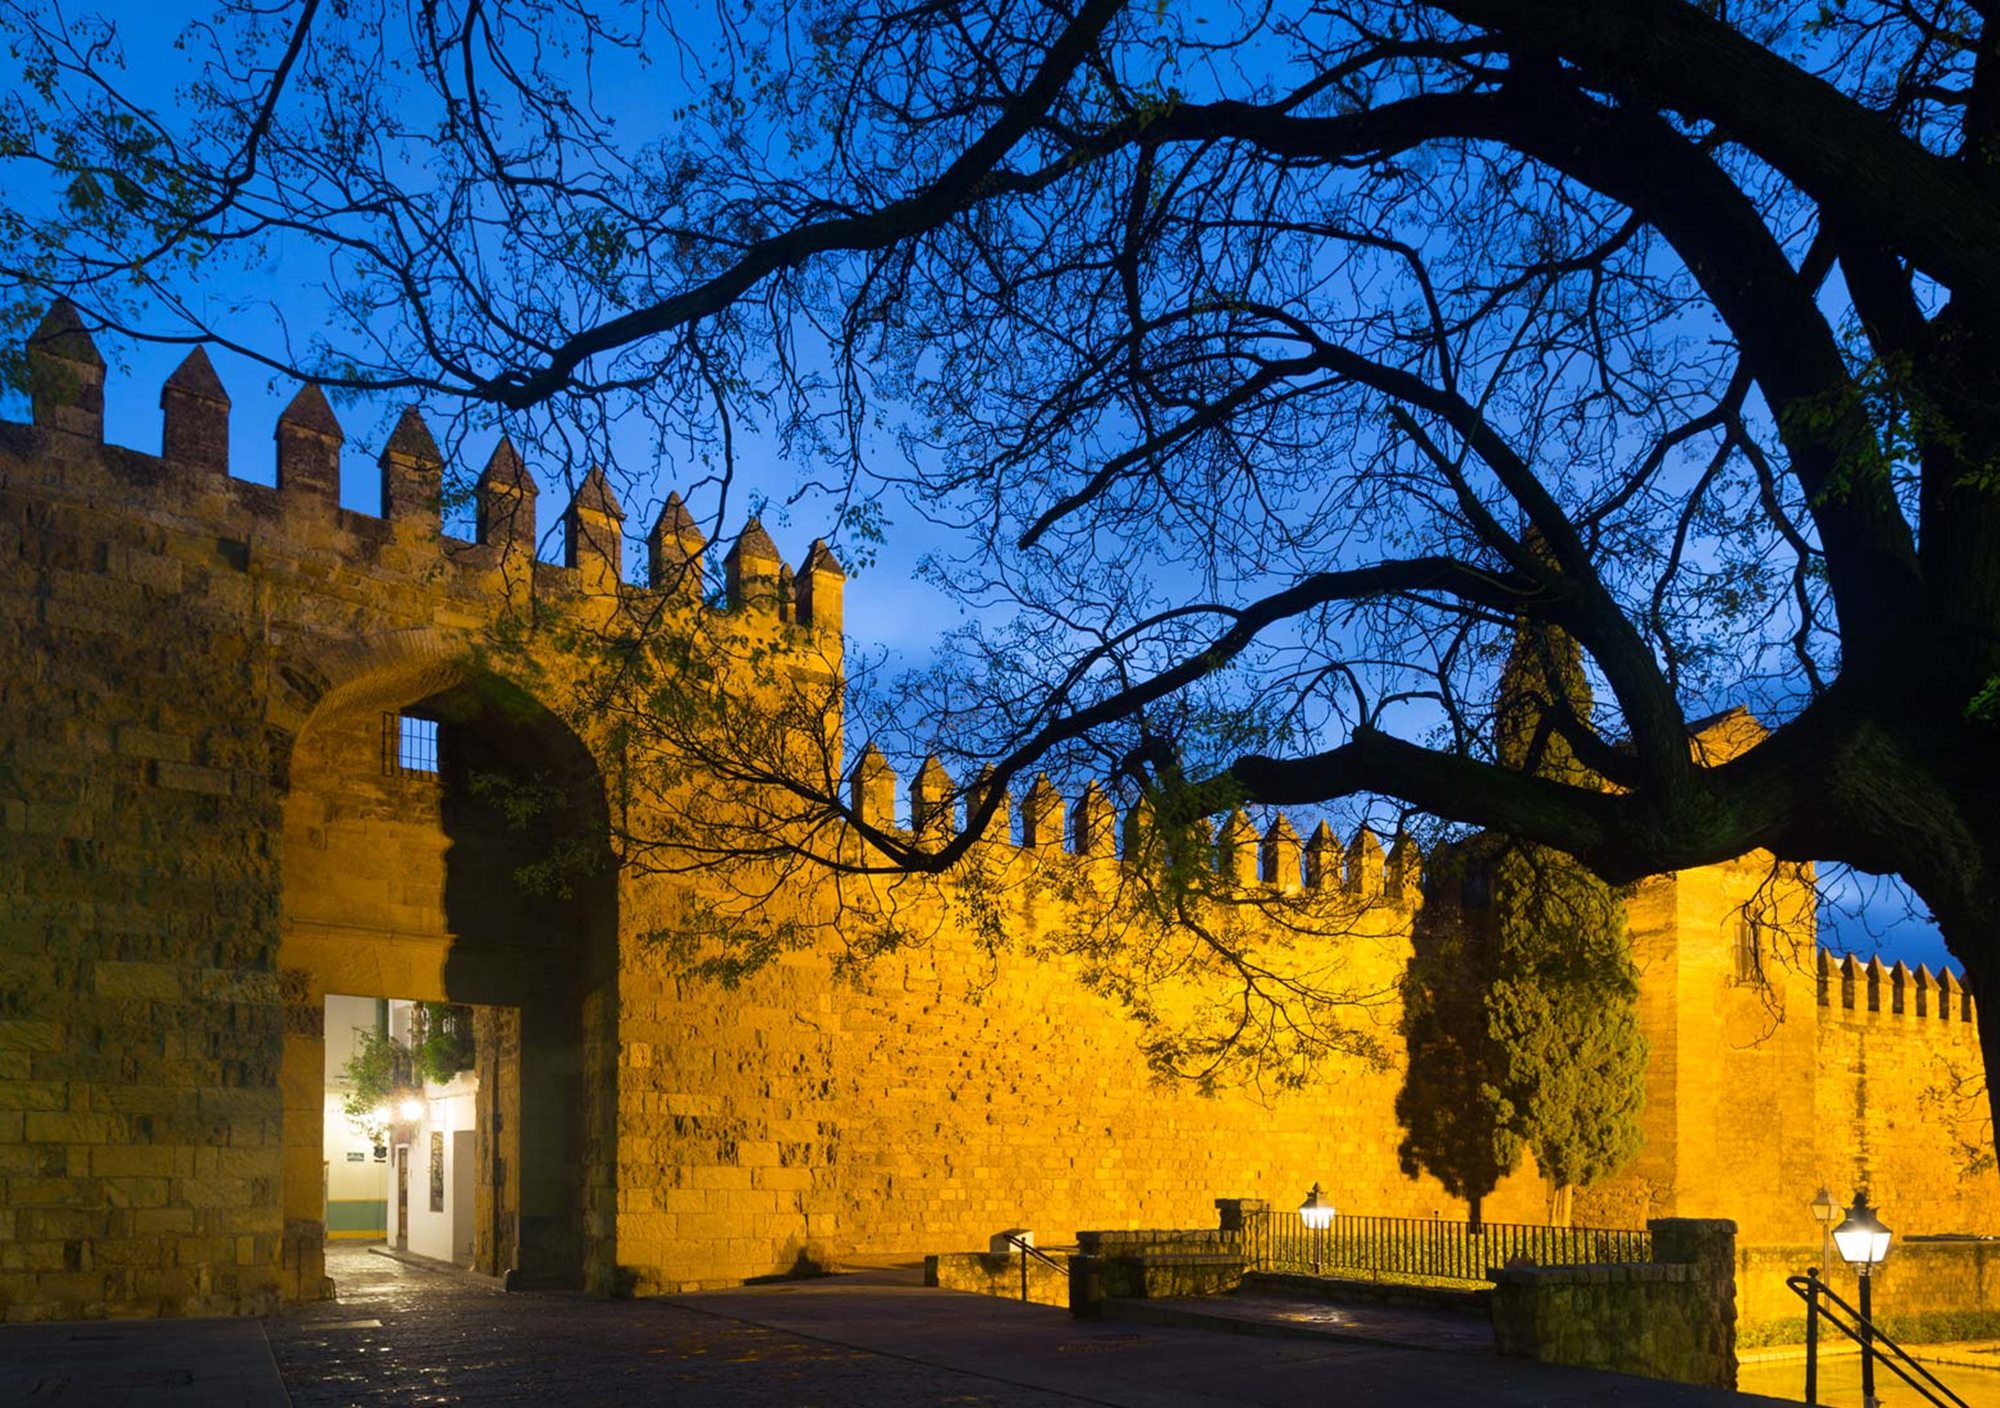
column 1430, row 1247
column 1810, row 1289
column 1029, row 1249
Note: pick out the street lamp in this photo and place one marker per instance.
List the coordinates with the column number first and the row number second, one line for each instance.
column 1317, row 1214
column 1824, row 1211
column 1863, row 1242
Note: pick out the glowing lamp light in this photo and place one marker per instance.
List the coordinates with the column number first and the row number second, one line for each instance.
column 412, row 1109
column 380, row 1114
column 1861, row 1238
column 1317, row 1210
column 1825, row 1209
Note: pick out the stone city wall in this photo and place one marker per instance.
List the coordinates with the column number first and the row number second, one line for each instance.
column 201, row 836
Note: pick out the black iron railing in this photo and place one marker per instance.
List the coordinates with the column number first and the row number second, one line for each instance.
column 1823, row 1303
column 1431, row 1248
column 1029, row 1249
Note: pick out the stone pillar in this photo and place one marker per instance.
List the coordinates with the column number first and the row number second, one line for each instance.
column 302, row 1083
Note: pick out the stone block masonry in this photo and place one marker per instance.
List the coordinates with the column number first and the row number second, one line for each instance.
column 202, row 834
column 1671, row 1318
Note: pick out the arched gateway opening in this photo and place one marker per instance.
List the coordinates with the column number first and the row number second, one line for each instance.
column 444, row 843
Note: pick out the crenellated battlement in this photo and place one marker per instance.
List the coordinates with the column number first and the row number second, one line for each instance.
column 1086, row 829
column 1871, row 990
column 189, row 485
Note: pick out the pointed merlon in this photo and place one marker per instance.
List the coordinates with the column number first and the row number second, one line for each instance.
column 1237, row 850
column 1948, row 995
column 410, row 474
column 1094, row 826
column 1925, row 985
column 673, row 549
column 504, row 501
column 754, row 542
column 820, row 585
column 411, row 439
column 1824, row 975
column 1367, row 866
column 1874, row 973
column 751, row 571
column 194, row 416
column 66, row 375
column 593, row 541
column 676, row 523
column 504, row 470
column 1322, row 859
column 932, row 799
column 1850, row 974
column 61, row 334
column 1281, row 854
column 1042, row 815
column 309, row 440
column 1000, row 826
column 195, row 376
column 309, row 411
column 872, row 789
column 1406, row 870
column 594, row 495
column 820, row 558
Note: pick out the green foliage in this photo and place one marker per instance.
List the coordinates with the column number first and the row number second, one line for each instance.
column 1521, row 1000
column 382, row 1069
column 1564, row 1009
column 1460, row 1125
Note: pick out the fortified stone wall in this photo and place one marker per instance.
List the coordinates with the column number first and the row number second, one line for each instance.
column 202, row 833
column 1901, row 1096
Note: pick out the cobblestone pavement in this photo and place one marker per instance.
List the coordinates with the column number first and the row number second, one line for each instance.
column 404, row 1335
column 401, row 1334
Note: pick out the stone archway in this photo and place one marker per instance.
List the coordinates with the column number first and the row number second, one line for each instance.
column 402, row 883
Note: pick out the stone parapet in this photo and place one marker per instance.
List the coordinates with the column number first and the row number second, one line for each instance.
column 1671, row 1318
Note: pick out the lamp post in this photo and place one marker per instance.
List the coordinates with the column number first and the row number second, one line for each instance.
column 1317, row 1214
column 1863, row 1242
column 1826, row 1212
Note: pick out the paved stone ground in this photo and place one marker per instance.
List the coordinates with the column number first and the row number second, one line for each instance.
column 402, row 1334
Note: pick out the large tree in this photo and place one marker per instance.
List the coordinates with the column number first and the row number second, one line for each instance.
column 1240, row 338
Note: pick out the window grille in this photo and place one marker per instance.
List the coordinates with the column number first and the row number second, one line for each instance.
column 409, row 744
column 1749, row 950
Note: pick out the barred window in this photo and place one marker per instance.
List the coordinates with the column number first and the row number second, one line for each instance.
column 1749, row 950
column 409, row 744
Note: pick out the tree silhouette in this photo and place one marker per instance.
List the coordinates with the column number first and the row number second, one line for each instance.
column 1235, row 339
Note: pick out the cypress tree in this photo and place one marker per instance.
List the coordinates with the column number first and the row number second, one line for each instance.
column 1521, row 999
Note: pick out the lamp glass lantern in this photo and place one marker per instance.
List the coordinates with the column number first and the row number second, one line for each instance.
column 1825, row 1209
column 1862, row 1240
column 1317, row 1210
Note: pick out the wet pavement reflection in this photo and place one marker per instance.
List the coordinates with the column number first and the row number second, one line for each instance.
column 400, row 1334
